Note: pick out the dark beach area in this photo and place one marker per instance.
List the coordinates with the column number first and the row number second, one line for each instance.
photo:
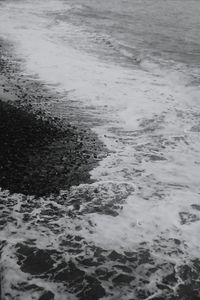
column 39, row 154
column 41, row 158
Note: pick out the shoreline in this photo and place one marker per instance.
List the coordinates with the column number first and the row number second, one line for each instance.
column 65, row 241
column 40, row 154
column 42, row 160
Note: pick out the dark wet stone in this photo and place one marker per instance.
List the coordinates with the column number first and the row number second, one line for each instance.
column 92, row 291
column 2, row 245
column 101, row 272
column 71, row 244
column 98, row 251
column 123, row 268
column 115, row 256
column 187, row 292
column 131, row 257
column 187, row 218
column 196, row 206
column 24, row 250
column 129, row 254
column 190, row 272
column 142, row 294
column 196, row 266
column 39, row 155
column 195, row 128
column 37, row 263
column 70, row 274
column 90, row 262
column 156, row 157
column 162, row 286
column 74, row 251
column 47, row 296
column 110, row 211
column 144, row 257
column 190, row 275
column 176, row 241
column 170, row 279
column 25, row 286
column 3, row 223
column 33, row 260
column 104, row 273
column 123, row 279
column 78, row 238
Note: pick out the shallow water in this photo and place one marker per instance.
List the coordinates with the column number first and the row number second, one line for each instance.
column 132, row 70
column 164, row 29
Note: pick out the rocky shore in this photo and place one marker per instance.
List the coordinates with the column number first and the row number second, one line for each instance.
column 42, row 160
column 39, row 153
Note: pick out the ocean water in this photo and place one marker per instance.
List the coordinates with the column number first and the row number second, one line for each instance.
column 132, row 68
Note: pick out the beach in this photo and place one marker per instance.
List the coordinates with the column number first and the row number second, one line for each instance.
column 39, row 153
column 99, row 152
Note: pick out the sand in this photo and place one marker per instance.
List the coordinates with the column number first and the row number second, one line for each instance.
column 39, row 153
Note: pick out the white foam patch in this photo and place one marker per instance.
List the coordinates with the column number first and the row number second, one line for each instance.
column 146, row 220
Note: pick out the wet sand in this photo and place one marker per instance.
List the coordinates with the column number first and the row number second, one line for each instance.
column 39, row 154
column 43, row 156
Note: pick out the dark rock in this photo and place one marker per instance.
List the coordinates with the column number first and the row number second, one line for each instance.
column 170, row 279
column 35, row 261
column 47, row 296
column 115, row 256
column 70, row 274
column 92, row 291
column 187, row 292
column 40, row 155
column 123, row 268
column 123, row 279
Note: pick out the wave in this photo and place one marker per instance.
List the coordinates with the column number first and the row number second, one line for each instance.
column 133, row 233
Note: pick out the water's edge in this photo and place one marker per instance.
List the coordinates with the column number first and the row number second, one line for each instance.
column 40, row 154
column 132, row 231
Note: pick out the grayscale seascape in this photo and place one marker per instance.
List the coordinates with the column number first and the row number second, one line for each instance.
column 100, row 149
